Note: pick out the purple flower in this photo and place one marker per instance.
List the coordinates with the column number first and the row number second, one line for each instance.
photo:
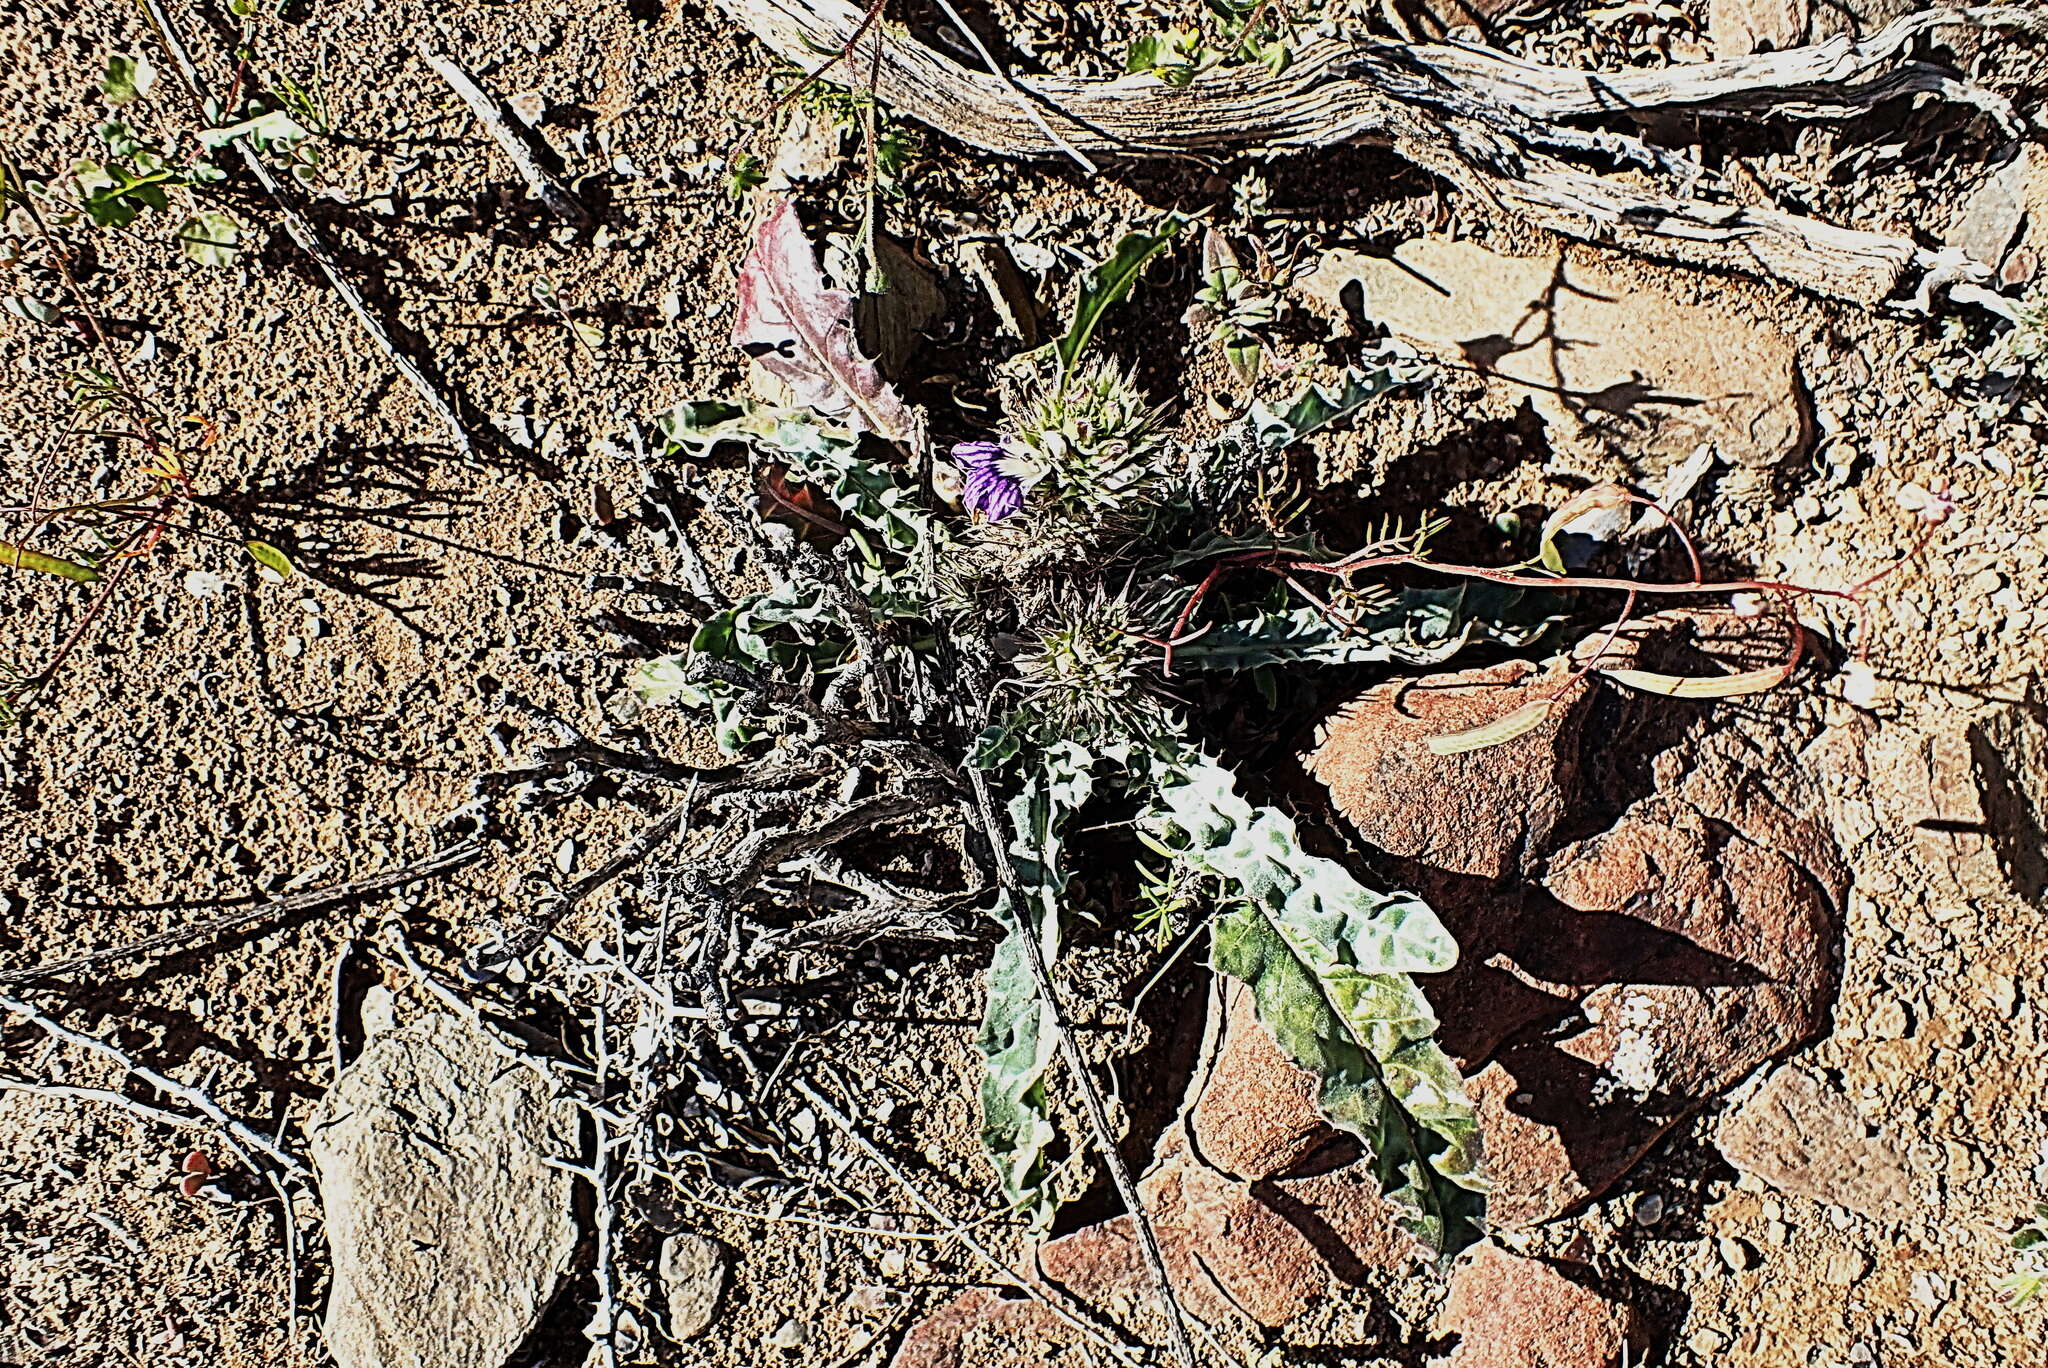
column 989, row 491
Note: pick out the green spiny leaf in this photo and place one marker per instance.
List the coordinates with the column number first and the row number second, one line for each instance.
column 1104, row 285
column 1416, row 627
column 1016, row 1039
column 1316, row 408
column 1327, row 961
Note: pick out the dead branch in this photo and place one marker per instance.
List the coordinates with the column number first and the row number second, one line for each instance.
column 1839, row 78
column 884, row 912
column 548, row 190
column 1489, row 124
column 69, row 1092
column 169, row 1087
column 277, row 909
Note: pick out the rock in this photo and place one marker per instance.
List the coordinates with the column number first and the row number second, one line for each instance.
column 1740, row 27
column 1846, row 1268
column 1746, row 894
column 1255, row 1113
column 1432, row 19
column 1611, row 358
column 1512, row 1312
column 1235, row 1249
column 1736, row 1254
column 1988, row 221
column 692, row 1272
column 1804, row 1139
column 1659, row 959
column 982, row 1329
column 448, row 1230
column 1481, row 812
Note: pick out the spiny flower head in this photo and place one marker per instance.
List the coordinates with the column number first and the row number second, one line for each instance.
column 1086, row 441
column 1087, row 665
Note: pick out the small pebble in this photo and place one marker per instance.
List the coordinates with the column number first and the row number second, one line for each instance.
column 1889, row 1020
column 1846, row 1267
column 788, row 1337
column 1735, row 1253
column 1649, row 1209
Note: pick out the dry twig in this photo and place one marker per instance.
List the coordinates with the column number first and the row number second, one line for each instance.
column 277, row 909
column 1492, row 125
column 168, row 1086
column 1001, row 1270
column 548, row 190
column 1084, row 1082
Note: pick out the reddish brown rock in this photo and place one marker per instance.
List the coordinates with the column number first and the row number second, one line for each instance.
column 1254, row 1114
column 1650, row 964
column 982, row 1329
column 1481, row 812
column 1512, row 1312
column 1804, row 1139
column 1236, row 1249
column 1230, row 1255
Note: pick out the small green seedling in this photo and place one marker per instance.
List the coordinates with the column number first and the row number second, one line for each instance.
column 2024, row 1285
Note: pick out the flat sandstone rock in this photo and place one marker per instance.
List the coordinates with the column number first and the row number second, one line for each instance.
column 449, row 1233
column 1805, row 1139
column 1603, row 356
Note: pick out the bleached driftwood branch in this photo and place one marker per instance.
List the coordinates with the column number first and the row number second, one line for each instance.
column 1495, row 126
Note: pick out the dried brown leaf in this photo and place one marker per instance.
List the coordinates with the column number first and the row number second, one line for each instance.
column 801, row 332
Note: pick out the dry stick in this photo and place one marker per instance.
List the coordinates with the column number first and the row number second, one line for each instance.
column 539, row 179
column 1484, row 130
column 604, row 1317
column 1084, row 1081
column 164, row 1084
column 553, row 1072
column 289, row 1216
column 308, row 238
column 628, row 855
column 290, row 904
column 1002, row 73
column 956, row 1230
column 72, row 1093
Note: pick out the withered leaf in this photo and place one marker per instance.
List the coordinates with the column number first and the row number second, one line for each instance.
column 801, row 332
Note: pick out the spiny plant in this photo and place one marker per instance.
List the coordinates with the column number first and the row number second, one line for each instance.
column 135, row 175
column 1056, row 681
column 1060, row 698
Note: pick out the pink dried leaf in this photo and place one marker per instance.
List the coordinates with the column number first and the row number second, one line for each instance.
column 801, row 331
